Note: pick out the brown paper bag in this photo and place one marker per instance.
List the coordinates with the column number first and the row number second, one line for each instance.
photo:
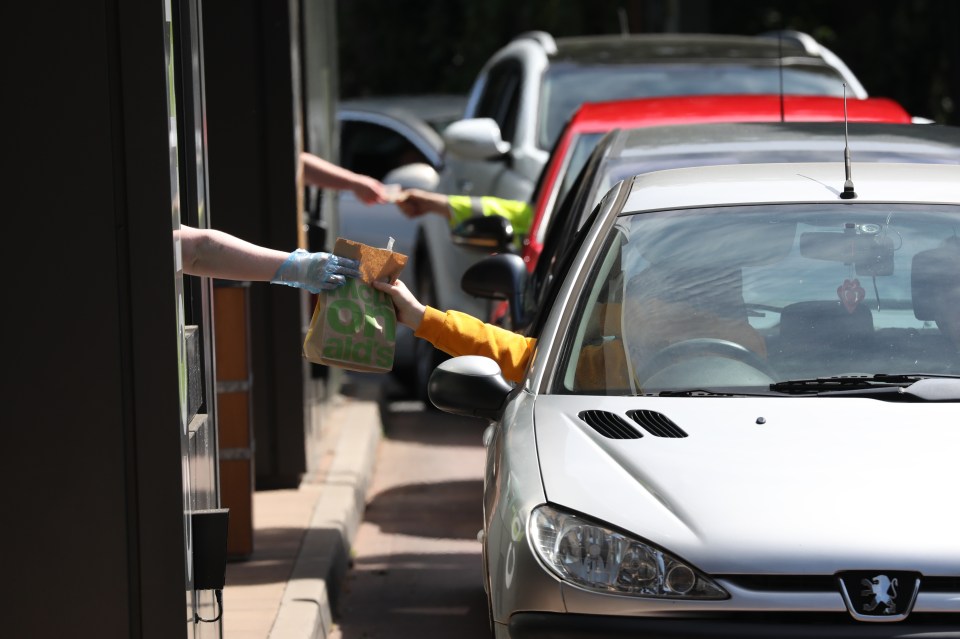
column 355, row 326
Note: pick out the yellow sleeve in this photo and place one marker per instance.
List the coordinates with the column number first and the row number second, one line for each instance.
column 457, row 333
column 520, row 214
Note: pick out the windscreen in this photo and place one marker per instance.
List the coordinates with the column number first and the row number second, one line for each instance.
column 566, row 87
column 742, row 297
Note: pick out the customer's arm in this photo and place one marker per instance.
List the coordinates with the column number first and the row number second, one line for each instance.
column 457, row 333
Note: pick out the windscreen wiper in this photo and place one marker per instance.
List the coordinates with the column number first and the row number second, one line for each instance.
column 703, row 392
column 927, row 387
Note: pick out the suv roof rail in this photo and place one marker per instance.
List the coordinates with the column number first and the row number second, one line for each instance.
column 805, row 40
column 542, row 37
column 813, row 47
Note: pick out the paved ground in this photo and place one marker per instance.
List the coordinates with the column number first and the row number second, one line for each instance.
column 302, row 536
column 416, row 558
column 384, row 535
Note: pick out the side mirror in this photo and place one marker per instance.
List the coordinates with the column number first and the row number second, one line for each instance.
column 499, row 277
column 469, row 385
column 489, row 233
column 417, row 175
column 475, row 139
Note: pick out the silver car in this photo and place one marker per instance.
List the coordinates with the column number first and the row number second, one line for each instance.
column 663, row 468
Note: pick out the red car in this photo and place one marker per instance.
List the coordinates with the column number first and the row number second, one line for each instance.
column 592, row 120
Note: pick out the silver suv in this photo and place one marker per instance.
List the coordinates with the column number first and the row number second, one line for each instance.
column 527, row 90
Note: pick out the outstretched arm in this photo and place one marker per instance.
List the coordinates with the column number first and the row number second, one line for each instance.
column 217, row 254
column 319, row 172
column 417, row 202
column 457, row 333
column 211, row 253
column 457, row 208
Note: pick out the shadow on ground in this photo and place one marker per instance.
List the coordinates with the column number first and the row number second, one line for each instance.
column 449, row 510
column 414, row 595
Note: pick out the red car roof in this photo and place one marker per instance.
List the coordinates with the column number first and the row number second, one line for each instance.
column 604, row 116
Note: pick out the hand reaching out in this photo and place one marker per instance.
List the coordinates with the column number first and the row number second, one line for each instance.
column 369, row 190
column 316, row 272
column 409, row 309
column 415, row 202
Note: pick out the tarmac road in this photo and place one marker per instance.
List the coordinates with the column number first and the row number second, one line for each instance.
column 416, row 559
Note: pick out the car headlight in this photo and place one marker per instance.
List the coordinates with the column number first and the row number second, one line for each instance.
column 591, row 555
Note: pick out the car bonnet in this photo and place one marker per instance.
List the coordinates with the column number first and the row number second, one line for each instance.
column 753, row 485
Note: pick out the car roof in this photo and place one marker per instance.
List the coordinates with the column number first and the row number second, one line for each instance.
column 666, row 47
column 788, row 183
column 660, row 111
column 914, row 139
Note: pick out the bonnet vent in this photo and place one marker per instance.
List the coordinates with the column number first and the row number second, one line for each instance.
column 610, row 425
column 657, row 424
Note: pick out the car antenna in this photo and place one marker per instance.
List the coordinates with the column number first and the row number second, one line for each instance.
column 848, row 192
column 780, row 70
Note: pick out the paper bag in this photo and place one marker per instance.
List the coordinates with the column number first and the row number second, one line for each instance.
column 355, row 326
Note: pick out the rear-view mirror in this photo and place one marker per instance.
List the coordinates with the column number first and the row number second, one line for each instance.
column 872, row 254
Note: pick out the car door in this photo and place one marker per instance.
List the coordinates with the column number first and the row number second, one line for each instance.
column 499, row 101
column 374, row 144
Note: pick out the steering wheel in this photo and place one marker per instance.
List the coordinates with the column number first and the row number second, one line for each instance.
column 703, row 347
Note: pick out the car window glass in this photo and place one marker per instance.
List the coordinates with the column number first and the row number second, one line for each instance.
column 501, row 96
column 563, row 243
column 741, row 297
column 565, row 232
column 566, row 87
column 584, row 146
column 375, row 150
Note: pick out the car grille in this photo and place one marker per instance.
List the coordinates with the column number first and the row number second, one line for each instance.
column 822, row 583
column 610, row 425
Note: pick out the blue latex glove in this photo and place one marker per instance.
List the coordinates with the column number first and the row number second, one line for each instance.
column 316, row 272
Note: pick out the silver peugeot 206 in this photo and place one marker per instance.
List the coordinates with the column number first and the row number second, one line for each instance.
column 742, row 418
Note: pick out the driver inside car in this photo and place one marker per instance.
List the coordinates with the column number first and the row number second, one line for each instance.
column 667, row 304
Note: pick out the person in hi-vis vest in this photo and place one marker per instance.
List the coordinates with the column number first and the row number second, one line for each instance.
column 457, row 208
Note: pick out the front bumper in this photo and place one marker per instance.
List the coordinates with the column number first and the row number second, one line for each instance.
column 541, row 625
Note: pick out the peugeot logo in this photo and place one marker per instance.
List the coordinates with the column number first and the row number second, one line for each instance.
column 882, row 591
column 879, row 596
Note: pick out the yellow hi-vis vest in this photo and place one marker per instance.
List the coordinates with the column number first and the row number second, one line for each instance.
column 520, row 214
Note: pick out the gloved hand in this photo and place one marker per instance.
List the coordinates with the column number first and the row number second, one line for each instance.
column 316, row 272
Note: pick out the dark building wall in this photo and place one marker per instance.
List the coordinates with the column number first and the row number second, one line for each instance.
column 91, row 480
column 252, row 102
